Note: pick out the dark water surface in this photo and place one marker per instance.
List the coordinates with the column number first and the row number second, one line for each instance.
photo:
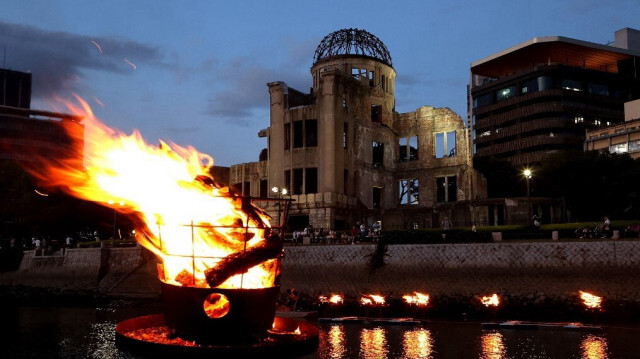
column 89, row 332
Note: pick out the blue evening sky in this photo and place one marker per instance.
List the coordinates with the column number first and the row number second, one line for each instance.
column 195, row 72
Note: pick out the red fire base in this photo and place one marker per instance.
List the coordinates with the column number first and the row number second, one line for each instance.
column 150, row 336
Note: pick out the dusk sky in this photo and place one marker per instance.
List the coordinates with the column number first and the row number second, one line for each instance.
column 195, row 72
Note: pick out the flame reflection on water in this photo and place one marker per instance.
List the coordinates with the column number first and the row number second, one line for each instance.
column 492, row 345
column 594, row 347
column 417, row 344
column 373, row 343
column 336, row 342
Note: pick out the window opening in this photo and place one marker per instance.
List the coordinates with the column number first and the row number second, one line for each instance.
column 377, row 196
column 408, row 189
column 447, row 189
column 287, row 136
column 264, row 185
column 287, row 179
column 311, row 133
column 378, row 154
column 311, row 180
column 297, row 181
column 298, row 134
column 376, row 113
column 345, row 130
column 446, row 144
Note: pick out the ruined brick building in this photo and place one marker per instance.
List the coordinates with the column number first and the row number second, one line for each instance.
column 345, row 155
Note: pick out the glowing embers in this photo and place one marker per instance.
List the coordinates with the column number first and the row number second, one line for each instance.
column 281, row 327
column 591, row 301
column 216, row 305
column 417, row 299
column 335, row 299
column 492, row 301
column 372, row 300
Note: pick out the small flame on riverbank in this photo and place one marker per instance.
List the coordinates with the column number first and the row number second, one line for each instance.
column 492, row 301
column 417, row 299
column 590, row 300
column 333, row 299
column 372, row 300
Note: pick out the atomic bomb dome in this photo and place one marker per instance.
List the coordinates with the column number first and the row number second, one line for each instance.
column 352, row 42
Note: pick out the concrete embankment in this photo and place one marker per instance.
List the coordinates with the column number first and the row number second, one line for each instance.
column 555, row 269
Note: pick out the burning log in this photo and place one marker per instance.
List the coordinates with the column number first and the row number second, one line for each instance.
column 241, row 262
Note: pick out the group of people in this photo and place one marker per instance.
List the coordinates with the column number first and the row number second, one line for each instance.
column 358, row 233
column 44, row 246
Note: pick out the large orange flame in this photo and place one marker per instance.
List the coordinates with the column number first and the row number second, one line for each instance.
column 188, row 221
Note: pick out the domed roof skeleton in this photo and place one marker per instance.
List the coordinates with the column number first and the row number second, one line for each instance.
column 352, row 42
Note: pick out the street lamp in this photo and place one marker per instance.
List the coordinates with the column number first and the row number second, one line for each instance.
column 280, row 192
column 115, row 216
column 527, row 175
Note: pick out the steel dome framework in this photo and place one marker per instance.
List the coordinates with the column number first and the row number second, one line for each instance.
column 352, row 42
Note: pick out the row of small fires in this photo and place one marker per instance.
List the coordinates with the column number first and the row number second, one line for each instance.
column 421, row 299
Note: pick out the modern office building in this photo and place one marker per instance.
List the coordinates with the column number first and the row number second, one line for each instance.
column 27, row 133
column 619, row 138
column 345, row 155
column 540, row 96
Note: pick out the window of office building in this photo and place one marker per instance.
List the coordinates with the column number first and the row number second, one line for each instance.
column 445, row 144
column 482, row 100
column 529, row 86
column 506, row 93
column 447, row 189
column 619, row 148
column 598, row 89
column 571, row 85
column 408, row 190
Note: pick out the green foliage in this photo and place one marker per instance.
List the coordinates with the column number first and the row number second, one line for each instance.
column 593, row 184
column 566, row 231
column 503, row 179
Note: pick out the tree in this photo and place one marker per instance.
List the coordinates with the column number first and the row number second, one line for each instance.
column 592, row 184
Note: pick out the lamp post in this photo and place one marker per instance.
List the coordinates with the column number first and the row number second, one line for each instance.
column 279, row 192
column 527, row 175
column 115, row 216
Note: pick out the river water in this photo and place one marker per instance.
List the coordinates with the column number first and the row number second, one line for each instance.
column 89, row 332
